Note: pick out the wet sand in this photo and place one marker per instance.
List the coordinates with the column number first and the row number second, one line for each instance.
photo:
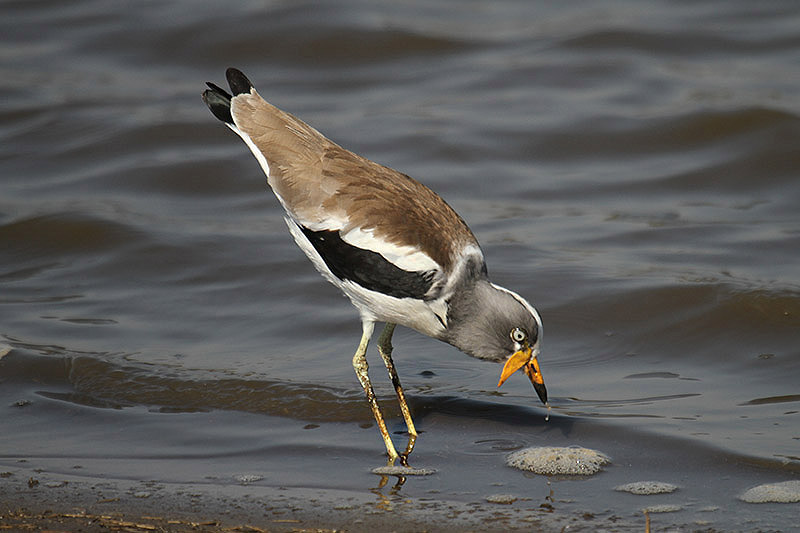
column 79, row 506
column 103, row 506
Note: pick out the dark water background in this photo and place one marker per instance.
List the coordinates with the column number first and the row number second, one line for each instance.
column 629, row 167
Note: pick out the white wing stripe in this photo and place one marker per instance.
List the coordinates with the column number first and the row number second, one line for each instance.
column 408, row 258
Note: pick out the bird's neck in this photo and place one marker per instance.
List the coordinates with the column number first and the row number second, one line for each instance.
column 470, row 316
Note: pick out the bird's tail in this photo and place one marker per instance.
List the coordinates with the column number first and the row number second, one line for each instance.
column 218, row 99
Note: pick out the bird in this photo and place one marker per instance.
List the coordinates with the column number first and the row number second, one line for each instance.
column 394, row 247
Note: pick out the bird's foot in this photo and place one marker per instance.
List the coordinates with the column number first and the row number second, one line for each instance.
column 412, row 439
column 391, row 460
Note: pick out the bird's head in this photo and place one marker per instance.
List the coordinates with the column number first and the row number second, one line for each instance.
column 493, row 323
column 525, row 357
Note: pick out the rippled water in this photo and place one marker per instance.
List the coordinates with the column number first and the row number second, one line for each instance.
column 630, row 167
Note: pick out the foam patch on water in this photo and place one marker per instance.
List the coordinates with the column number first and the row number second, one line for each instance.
column 553, row 460
column 503, row 499
column 786, row 492
column 665, row 508
column 402, row 471
column 646, row 488
column 246, row 479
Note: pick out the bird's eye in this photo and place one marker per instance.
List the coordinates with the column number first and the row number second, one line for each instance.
column 518, row 335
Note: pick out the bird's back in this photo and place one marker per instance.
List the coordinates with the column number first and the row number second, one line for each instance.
column 324, row 186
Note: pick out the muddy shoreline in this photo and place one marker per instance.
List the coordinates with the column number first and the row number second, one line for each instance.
column 54, row 503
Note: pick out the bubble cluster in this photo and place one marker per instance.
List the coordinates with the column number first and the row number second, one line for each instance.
column 664, row 508
column 503, row 499
column 786, row 492
column 646, row 488
column 246, row 479
column 402, row 471
column 553, row 460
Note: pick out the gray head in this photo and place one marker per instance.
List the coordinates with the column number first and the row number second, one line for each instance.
column 489, row 322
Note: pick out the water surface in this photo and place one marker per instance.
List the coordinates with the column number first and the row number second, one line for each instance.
column 629, row 167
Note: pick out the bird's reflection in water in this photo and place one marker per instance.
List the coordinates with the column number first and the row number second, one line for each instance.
column 385, row 502
column 395, row 490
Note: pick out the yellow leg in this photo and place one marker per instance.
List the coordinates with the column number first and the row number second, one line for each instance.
column 360, row 366
column 385, row 349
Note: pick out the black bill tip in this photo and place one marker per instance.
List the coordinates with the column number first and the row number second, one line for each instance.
column 541, row 390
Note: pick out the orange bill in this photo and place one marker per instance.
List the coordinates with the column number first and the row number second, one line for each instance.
column 525, row 360
column 515, row 362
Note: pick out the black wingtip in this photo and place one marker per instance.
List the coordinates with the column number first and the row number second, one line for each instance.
column 218, row 99
column 219, row 102
column 238, row 82
column 217, row 89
